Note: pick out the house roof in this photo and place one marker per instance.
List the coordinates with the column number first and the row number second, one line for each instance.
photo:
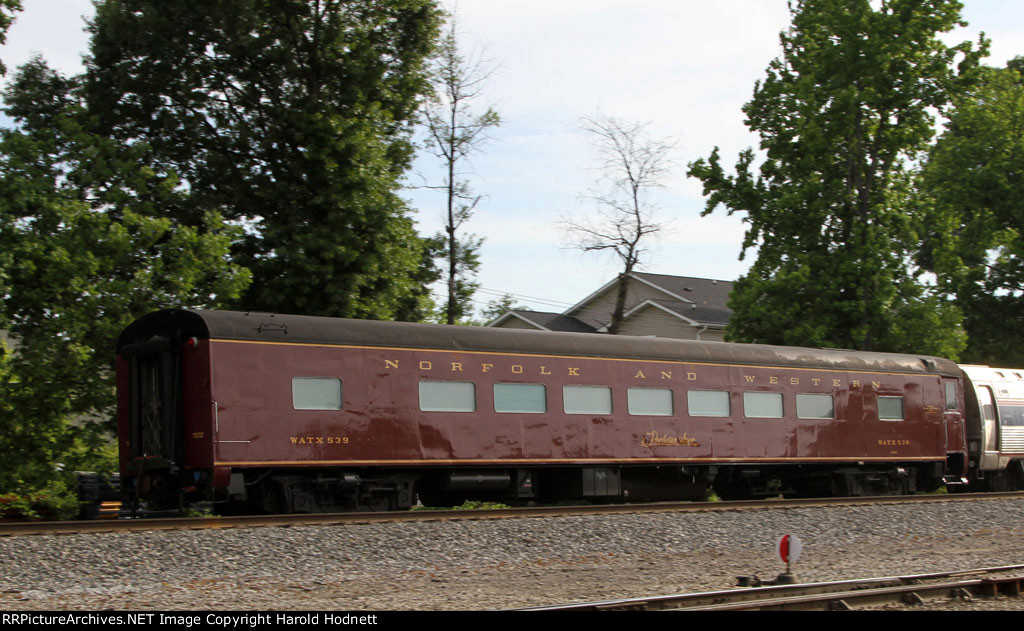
column 704, row 291
column 548, row 321
column 699, row 301
column 689, row 311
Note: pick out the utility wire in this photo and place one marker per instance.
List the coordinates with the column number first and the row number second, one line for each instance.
column 525, row 298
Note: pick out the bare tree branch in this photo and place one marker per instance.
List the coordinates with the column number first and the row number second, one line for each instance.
column 632, row 164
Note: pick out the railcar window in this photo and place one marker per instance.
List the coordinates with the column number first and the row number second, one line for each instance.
column 587, row 399
column 447, row 396
column 950, row 395
column 316, row 393
column 990, row 412
column 650, row 401
column 815, row 406
column 762, row 404
column 1011, row 415
column 520, row 397
column 988, row 408
column 890, row 408
column 707, row 402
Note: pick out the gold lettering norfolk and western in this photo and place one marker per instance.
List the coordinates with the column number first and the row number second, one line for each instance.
column 640, row 372
column 462, row 367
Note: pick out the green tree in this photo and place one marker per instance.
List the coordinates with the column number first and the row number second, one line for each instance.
column 86, row 248
column 454, row 133
column 851, row 100
column 973, row 184
column 7, row 11
column 498, row 307
column 291, row 118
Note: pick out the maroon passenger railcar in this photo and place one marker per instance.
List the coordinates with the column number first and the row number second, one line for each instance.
column 293, row 413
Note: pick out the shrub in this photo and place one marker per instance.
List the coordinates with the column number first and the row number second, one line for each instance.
column 53, row 502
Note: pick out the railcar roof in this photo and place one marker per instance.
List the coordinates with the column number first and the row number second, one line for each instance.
column 253, row 326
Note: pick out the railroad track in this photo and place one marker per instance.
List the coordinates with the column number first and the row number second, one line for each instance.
column 251, row 521
column 836, row 595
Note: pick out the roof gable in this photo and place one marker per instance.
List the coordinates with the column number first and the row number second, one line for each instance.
column 706, row 291
column 545, row 321
column 703, row 291
column 696, row 302
column 698, row 315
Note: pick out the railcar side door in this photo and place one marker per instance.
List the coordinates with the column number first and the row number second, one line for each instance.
column 156, row 427
column 989, row 427
column 953, row 421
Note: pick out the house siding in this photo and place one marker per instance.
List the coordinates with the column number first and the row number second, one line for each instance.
column 652, row 325
column 602, row 305
column 652, row 321
column 713, row 335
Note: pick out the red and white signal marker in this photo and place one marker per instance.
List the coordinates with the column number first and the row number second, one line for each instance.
column 789, row 548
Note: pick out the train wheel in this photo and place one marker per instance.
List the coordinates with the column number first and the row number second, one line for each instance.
column 1016, row 470
column 1009, row 479
column 275, row 501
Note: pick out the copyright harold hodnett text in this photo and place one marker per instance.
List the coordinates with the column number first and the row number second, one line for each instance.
column 190, row 620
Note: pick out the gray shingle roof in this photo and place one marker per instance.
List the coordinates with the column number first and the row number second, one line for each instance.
column 704, row 314
column 555, row 321
column 701, row 300
column 703, row 291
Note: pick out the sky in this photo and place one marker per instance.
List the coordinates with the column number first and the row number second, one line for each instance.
column 684, row 67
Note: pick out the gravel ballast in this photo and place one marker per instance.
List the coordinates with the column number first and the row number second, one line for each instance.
column 500, row 563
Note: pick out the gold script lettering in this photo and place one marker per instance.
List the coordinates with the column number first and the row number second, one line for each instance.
column 654, row 439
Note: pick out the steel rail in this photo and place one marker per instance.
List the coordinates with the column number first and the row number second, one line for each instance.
column 14, row 528
column 911, row 589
